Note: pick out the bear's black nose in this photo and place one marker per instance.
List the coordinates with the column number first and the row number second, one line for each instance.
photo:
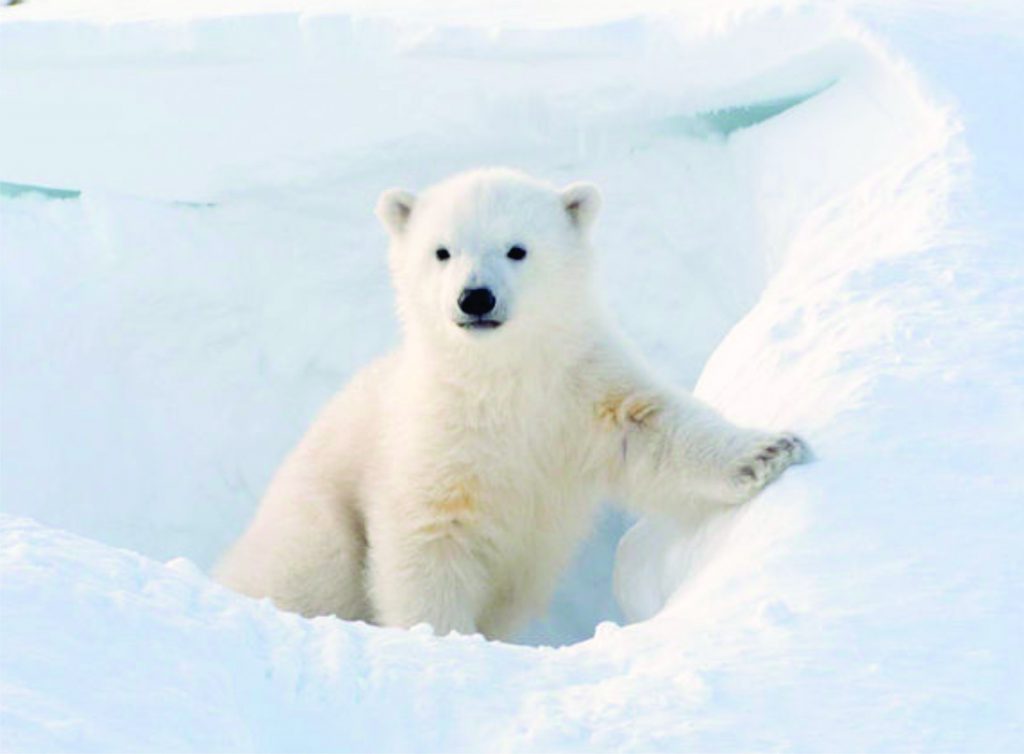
column 476, row 301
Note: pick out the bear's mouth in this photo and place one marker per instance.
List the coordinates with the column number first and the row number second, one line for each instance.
column 480, row 324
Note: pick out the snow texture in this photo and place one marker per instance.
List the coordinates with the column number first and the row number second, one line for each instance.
column 812, row 213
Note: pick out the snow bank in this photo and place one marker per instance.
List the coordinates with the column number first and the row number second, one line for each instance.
column 794, row 205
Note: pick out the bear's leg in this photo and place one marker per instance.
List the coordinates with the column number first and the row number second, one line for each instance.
column 306, row 546
column 307, row 558
column 426, row 577
column 508, row 611
column 679, row 452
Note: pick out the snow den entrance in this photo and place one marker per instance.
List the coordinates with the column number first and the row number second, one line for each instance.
column 211, row 279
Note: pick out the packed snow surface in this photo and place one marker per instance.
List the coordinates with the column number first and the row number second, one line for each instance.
column 812, row 215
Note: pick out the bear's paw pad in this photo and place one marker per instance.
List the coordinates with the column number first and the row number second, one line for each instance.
column 768, row 459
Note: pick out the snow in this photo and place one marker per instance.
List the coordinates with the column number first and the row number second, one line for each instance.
column 811, row 214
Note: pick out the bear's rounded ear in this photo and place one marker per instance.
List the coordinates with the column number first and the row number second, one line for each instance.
column 581, row 201
column 394, row 208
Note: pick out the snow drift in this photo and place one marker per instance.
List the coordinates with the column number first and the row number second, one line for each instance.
column 190, row 267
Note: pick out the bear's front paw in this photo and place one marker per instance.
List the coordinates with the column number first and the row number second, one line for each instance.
column 766, row 461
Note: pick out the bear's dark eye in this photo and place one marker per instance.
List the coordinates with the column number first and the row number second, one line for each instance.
column 442, row 254
column 518, row 253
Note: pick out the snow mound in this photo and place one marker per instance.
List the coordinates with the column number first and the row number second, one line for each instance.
column 190, row 267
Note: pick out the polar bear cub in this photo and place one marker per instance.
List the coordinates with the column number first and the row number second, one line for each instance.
column 450, row 482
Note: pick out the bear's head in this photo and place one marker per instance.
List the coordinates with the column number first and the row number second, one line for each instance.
column 491, row 257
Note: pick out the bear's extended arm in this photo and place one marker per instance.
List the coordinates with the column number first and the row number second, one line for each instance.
column 674, row 453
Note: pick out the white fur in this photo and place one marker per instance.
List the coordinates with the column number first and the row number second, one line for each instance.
column 450, row 482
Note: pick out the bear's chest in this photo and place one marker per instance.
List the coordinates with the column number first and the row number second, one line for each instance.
column 515, row 466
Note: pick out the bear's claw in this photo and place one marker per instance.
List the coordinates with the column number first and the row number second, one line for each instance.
column 766, row 462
